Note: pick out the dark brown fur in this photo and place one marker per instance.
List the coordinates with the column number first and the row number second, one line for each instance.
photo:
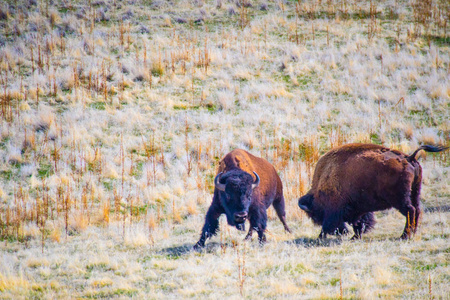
column 237, row 167
column 353, row 181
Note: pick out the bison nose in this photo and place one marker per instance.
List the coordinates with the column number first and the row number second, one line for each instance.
column 240, row 217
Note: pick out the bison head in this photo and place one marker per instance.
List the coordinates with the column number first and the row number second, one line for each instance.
column 306, row 203
column 235, row 190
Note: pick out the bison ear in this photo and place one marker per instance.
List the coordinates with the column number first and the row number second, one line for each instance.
column 219, row 186
column 256, row 183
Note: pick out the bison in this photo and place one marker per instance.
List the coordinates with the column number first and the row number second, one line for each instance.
column 352, row 181
column 245, row 187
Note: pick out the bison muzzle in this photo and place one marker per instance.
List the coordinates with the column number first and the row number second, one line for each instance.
column 352, row 181
column 244, row 189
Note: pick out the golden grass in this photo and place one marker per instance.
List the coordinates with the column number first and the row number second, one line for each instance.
column 114, row 116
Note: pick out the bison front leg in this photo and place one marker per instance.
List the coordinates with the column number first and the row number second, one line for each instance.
column 341, row 230
column 211, row 225
column 249, row 234
column 258, row 222
column 332, row 224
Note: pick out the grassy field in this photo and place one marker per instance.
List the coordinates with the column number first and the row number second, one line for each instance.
column 115, row 114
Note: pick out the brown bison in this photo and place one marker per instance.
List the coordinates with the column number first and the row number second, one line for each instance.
column 244, row 189
column 352, row 181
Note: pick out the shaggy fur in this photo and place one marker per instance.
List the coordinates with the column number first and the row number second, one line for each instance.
column 353, row 181
column 239, row 197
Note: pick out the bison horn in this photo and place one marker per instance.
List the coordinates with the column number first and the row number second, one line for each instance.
column 304, row 207
column 256, row 183
column 219, row 186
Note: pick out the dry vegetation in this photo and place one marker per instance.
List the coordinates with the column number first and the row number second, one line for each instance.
column 114, row 115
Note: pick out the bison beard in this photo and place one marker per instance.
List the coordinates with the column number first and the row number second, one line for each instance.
column 240, row 197
column 353, row 181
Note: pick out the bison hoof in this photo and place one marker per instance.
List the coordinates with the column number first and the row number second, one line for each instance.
column 322, row 235
column 198, row 247
column 355, row 237
column 262, row 240
column 405, row 236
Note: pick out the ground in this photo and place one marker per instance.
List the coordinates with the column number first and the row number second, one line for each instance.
column 115, row 114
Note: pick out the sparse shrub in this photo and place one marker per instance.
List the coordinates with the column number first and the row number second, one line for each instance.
column 181, row 85
column 157, row 69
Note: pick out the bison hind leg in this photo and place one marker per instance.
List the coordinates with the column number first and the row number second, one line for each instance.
column 341, row 230
column 363, row 224
column 415, row 196
column 279, row 204
column 410, row 227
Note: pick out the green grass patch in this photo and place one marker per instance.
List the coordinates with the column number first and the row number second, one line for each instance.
column 412, row 89
column 303, row 81
column 182, row 107
column 439, row 41
column 434, row 252
column 138, row 169
column 183, row 230
column 427, row 267
column 295, row 269
column 95, row 266
column 6, row 174
column 391, row 42
column 108, row 185
column 116, row 293
column 138, row 210
column 292, row 269
column 168, row 287
column 211, row 107
column 334, row 281
column 375, row 138
column 435, row 236
column 98, row 105
column 44, row 170
column 3, row 142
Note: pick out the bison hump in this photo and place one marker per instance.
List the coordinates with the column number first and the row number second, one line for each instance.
column 238, row 159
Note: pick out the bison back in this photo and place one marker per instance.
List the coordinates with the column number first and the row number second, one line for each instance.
column 366, row 176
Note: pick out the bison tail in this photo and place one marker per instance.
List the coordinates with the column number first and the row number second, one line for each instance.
column 427, row 148
column 305, row 202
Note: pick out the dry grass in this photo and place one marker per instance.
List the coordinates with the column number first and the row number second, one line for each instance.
column 114, row 115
